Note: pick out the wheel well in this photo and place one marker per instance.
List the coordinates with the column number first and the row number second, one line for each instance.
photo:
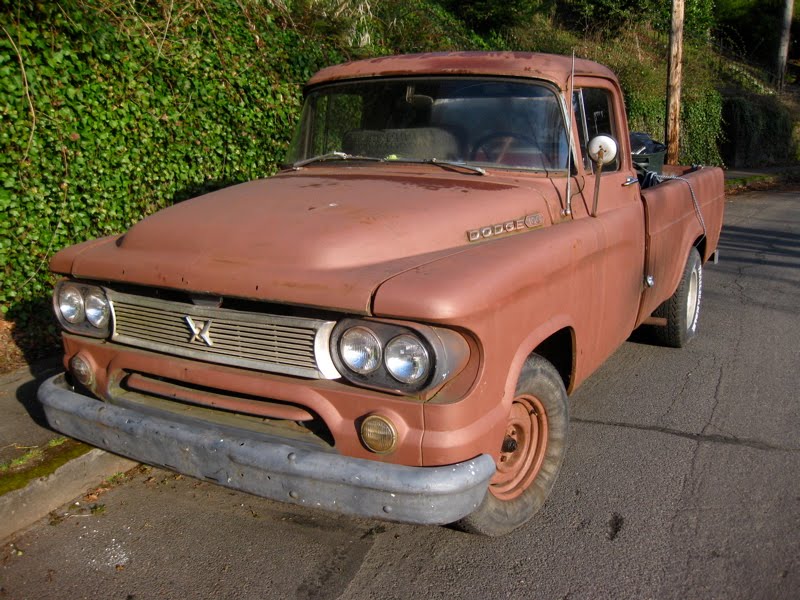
column 558, row 349
column 700, row 244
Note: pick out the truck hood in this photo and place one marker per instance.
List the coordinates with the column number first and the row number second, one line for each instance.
column 321, row 237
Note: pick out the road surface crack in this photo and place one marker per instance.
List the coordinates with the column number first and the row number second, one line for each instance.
column 686, row 381
column 717, row 390
column 709, row 438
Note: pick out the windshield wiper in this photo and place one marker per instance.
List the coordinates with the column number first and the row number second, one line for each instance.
column 333, row 156
column 391, row 158
column 441, row 163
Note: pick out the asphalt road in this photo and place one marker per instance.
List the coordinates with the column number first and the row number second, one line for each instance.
column 682, row 480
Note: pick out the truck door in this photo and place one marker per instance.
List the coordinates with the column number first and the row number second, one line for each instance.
column 618, row 226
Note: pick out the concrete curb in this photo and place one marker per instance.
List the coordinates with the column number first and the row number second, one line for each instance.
column 21, row 508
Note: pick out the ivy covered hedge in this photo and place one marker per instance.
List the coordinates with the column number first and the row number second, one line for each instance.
column 108, row 115
column 701, row 123
column 760, row 131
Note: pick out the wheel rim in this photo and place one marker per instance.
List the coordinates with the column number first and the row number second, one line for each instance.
column 691, row 301
column 517, row 468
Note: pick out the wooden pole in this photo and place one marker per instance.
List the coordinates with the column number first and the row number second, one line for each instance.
column 673, row 120
column 783, row 47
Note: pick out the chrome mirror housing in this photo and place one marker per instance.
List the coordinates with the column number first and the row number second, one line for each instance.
column 602, row 149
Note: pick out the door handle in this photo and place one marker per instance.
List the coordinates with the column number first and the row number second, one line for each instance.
column 630, row 181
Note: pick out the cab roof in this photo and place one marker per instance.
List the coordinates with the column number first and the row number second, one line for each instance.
column 550, row 67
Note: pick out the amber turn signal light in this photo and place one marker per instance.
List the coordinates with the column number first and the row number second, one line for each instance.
column 378, row 434
column 81, row 370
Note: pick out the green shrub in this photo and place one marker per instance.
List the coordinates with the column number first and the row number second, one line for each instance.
column 408, row 26
column 120, row 113
column 760, row 131
column 485, row 16
column 701, row 123
column 612, row 16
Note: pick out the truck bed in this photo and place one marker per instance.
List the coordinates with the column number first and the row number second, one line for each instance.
column 673, row 226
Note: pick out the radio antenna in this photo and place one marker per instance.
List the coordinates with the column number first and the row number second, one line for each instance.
column 571, row 118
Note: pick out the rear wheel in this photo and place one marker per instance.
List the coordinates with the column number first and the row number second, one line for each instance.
column 682, row 309
column 532, row 451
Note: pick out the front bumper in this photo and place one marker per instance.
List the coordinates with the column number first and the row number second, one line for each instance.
column 273, row 467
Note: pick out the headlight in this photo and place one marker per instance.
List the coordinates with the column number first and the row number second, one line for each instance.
column 400, row 357
column 407, row 359
column 82, row 308
column 97, row 309
column 70, row 303
column 360, row 350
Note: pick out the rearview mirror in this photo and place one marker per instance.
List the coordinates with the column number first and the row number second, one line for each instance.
column 602, row 150
column 417, row 101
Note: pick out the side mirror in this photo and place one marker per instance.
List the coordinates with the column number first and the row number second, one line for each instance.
column 602, row 150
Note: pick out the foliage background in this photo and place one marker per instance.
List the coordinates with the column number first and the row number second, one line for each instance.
column 111, row 110
column 124, row 109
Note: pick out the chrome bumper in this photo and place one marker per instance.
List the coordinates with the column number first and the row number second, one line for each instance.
column 272, row 468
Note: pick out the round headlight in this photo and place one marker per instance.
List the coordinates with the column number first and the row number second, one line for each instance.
column 97, row 311
column 70, row 303
column 407, row 359
column 378, row 434
column 360, row 350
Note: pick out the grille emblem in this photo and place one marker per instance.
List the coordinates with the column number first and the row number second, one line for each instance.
column 199, row 330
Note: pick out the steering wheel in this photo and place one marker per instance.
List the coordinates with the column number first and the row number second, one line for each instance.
column 496, row 145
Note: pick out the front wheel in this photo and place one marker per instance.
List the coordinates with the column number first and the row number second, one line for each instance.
column 532, row 451
column 682, row 309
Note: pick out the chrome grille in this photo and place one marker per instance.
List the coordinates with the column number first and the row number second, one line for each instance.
column 289, row 345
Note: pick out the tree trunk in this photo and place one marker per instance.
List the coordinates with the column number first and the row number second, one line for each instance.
column 673, row 120
column 783, row 47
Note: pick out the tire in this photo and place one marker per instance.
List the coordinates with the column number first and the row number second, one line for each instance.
column 682, row 309
column 539, row 421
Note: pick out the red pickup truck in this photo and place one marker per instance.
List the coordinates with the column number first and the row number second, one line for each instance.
column 390, row 326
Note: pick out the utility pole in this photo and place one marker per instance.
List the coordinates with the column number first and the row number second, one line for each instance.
column 673, row 120
column 783, row 48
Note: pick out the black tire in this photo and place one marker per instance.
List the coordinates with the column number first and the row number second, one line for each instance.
column 682, row 309
column 507, row 505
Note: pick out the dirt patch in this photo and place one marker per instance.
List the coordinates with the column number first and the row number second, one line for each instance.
column 784, row 181
column 22, row 345
column 11, row 356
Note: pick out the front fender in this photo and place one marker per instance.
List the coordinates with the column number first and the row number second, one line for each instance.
column 509, row 294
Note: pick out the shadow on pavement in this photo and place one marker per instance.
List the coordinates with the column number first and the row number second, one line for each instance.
column 26, row 393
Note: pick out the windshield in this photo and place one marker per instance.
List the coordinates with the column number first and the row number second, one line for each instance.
column 485, row 122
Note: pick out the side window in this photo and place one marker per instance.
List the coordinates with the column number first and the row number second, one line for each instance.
column 594, row 116
column 580, row 125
